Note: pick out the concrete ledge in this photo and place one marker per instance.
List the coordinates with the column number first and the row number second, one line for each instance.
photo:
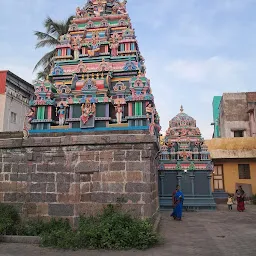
column 21, row 239
column 79, row 139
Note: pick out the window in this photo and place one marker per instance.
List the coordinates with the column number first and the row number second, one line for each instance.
column 244, row 171
column 13, row 117
column 239, row 133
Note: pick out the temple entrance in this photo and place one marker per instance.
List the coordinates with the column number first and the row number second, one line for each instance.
column 195, row 186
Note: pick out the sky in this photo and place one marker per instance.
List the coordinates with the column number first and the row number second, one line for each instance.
column 194, row 49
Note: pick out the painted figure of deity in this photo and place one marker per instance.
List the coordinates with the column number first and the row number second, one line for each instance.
column 114, row 49
column 88, row 110
column 149, row 110
column 62, row 113
column 31, row 115
column 95, row 49
column 78, row 12
column 119, row 113
column 98, row 10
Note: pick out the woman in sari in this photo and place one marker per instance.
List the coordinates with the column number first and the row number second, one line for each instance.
column 177, row 204
column 240, row 196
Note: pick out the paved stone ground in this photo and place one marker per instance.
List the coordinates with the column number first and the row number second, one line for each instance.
column 219, row 233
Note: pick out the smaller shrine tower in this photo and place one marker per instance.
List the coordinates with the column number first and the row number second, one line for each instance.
column 185, row 160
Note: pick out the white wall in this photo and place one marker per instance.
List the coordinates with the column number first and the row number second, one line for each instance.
column 20, row 108
column 2, row 110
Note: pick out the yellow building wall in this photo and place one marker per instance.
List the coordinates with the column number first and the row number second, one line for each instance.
column 231, row 174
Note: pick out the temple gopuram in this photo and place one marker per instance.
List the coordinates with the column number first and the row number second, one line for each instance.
column 185, row 160
column 98, row 80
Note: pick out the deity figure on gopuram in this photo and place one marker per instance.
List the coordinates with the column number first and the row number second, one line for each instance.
column 98, row 78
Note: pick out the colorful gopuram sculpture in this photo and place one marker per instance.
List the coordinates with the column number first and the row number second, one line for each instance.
column 98, row 79
column 185, row 160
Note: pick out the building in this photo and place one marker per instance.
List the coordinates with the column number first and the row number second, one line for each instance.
column 185, row 160
column 234, row 164
column 100, row 107
column 15, row 94
column 237, row 115
column 99, row 78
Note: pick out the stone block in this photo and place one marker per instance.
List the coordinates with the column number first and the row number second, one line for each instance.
column 67, row 198
column 117, row 166
column 104, row 166
column 42, row 209
column 30, row 156
column 134, row 176
column 85, row 187
column 42, row 167
column 61, row 210
column 106, row 156
column 37, row 187
column 6, row 177
column 43, row 177
column 135, row 166
column 105, row 197
column 23, row 168
column 88, row 209
column 87, row 156
column 87, row 167
column 132, row 198
column 119, row 155
column 1, row 197
column 96, row 187
column 96, row 177
column 74, row 188
column 86, row 197
column 145, row 154
column 62, row 178
column 10, row 197
column 13, row 187
column 50, row 187
column 2, row 177
column 15, row 168
column 31, row 208
column 86, row 177
column 147, row 198
column 21, row 187
column 137, row 188
column 50, row 198
column 63, row 187
column 22, row 197
column 7, row 168
column 113, row 177
column 19, row 177
column 36, row 197
column 60, row 167
column 113, row 187
column 133, row 155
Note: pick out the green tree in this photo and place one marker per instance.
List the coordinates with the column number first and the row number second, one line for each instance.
column 50, row 38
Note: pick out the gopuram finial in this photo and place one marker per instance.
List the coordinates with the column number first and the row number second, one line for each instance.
column 181, row 109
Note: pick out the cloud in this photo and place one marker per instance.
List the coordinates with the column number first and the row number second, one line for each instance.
column 214, row 71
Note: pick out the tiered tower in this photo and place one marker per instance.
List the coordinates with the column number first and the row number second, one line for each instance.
column 185, row 160
column 98, row 80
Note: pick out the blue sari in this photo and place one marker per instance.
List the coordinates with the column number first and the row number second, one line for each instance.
column 178, row 205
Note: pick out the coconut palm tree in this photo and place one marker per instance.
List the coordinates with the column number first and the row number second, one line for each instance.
column 50, row 38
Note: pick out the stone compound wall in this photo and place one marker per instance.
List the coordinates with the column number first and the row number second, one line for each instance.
column 75, row 175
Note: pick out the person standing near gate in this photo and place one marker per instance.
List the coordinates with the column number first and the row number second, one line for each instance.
column 177, row 200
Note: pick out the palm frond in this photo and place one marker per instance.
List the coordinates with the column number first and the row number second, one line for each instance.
column 45, row 39
column 45, row 60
